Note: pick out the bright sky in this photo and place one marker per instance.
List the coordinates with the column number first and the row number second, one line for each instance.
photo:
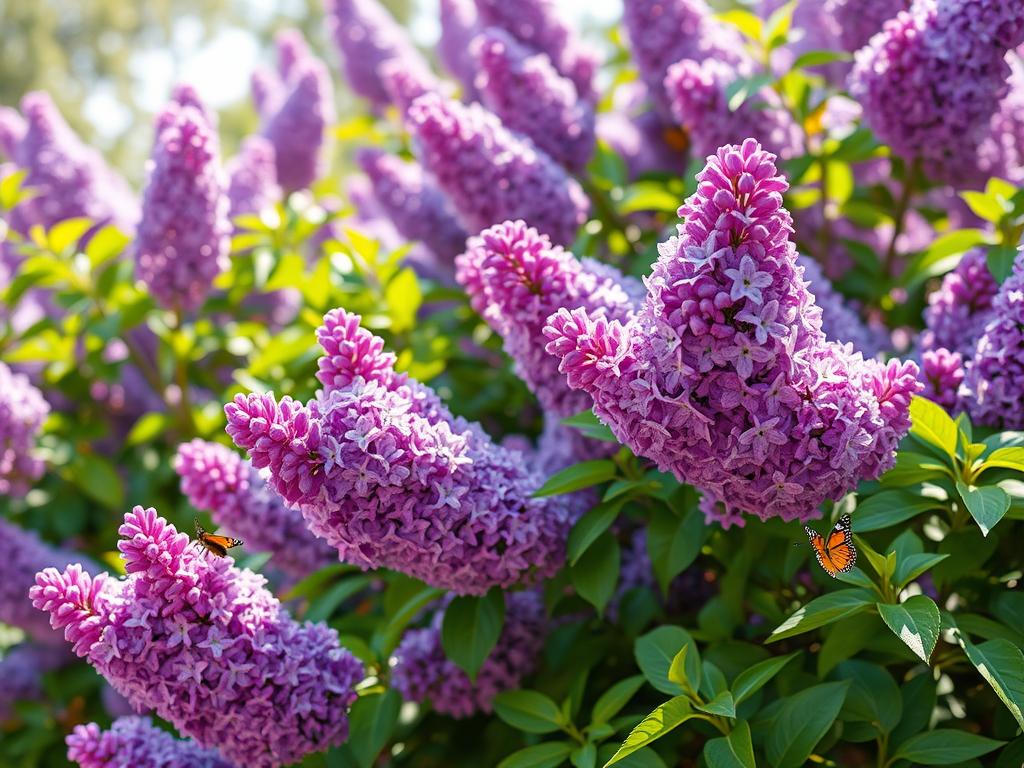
column 220, row 68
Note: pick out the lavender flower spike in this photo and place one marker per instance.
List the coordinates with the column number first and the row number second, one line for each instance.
column 366, row 37
column 252, row 178
column 528, row 94
column 724, row 377
column 490, row 174
column 385, row 473
column 932, row 79
column 961, row 307
column 205, row 646
column 184, row 237
column 421, row 671
column 12, row 128
column 135, row 741
column 217, row 480
column 458, row 28
column 22, row 413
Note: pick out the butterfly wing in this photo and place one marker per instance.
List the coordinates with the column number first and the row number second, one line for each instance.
column 224, row 542
column 839, row 554
column 818, row 545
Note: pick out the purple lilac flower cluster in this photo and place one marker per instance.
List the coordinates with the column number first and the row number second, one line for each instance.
column 183, row 238
column 724, row 377
column 942, row 373
column 296, row 105
column 386, row 474
column 22, row 669
column 414, row 205
column 527, row 93
column 697, row 96
column 959, row 309
column 1002, row 152
column 857, row 21
column 839, row 320
column 662, row 32
column 421, row 671
column 931, row 81
column 252, row 178
column 217, row 480
column 135, row 741
column 206, row 647
column 367, row 37
column 458, row 28
column 537, row 25
column 490, row 174
column 22, row 413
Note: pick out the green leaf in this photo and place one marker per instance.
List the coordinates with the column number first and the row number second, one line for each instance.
column 913, row 468
column 471, row 627
column 596, row 572
column 1008, row 458
column 873, row 696
column 722, row 705
column 11, row 190
column 643, row 758
column 584, row 756
column 547, row 755
column 749, row 24
column 733, row 751
column 665, row 718
column 149, row 426
column 987, row 504
column 98, row 479
column 576, row 477
column 913, row 566
column 403, row 297
column 742, row 88
column 823, row 610
column 654, row 654
column 777, row 27
column 944, row 747
column 801, row 721
column 591, row 426
column 915, row 622
column 817, row 58
column 751, row 680
column 986, row 206
column 930, row 423
column 387, row 638
column 648, row 196
column 529, row 711
column 942, row 255
column 673, row 542
column 589, row 527
column 611, row 702
column 371, row 723
column 889, row 508
column 107, row 243
column 1000, row 260
column 677, row 669
column 918, row 696
column 67, row 233
column 1001, row 663
column 323, row 606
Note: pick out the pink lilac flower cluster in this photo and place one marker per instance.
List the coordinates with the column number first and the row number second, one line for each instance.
column 942, row 373
column 183, row 238
column 515, row 279
column 959, row 309
column 386, row 474
column 491, row 174
column 857, row 21
column 22, row 669
column 698, row 97
column 839, row 319
column 252, row 178
column 662, row 32
column 421, row 671
column 367, row 36
column 217, row 480
column 416, row 207
column 724, row 377
column 458, row 28
column 296, row 106
column 206, row 647
column 135, row 741
column 404, row 86
column 22, row 413
column 993, row 385
column 527, row 93
column 931, row 81
column 537, row 25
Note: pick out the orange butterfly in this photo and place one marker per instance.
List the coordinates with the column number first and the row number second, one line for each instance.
column 835, row 553
column 211, row 542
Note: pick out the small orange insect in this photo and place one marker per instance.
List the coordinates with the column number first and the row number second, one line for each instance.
column 211, row 542
column 835, row 553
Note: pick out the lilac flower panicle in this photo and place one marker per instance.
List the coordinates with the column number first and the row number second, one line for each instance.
column 932, row 79
column 839, row 320
column 697, row 95
column 490, row 174
column 366, row 37
column 183, row 240
column 206, row 647
column 725, row 377
column 527, row 93
column 942, row 373
column 857, row 21
column 404, row 85
column 421, row 671
column 12, row 129
column 217, row 480
column 1002, row 151
column 135, row 741
column 458, row 28
column 959, row 309
column 252, row 178
column 414, row 205
column 662, row 32
column 537, row 25
column 22, row 413
column 385, row 473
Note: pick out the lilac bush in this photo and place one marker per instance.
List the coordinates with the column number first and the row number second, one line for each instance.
column 136, row 741
column 22, row 413
column 205, row 646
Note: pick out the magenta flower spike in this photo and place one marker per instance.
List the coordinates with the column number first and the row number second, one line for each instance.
column 382, row 470
column 491, row 174
column 942, row 373
column 529, row 96
column 725, row 378
column 932, row 79
column 421, row 671
column 206, row 647
column 217, row 480
column 135, row 741
column 22, row 413
column 183, row 240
